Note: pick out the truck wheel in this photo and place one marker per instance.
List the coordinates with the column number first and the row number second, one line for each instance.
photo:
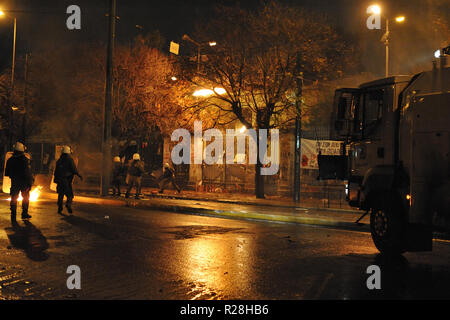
column 387, row 228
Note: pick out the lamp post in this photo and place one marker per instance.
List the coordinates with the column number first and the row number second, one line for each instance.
column 199, row 45
column 386, row 44
column 25, row 99
column 13, row 66
column 385, row 38
column 298, row 128
column 107, row 121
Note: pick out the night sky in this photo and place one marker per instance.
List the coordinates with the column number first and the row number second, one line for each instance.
column 43, row 26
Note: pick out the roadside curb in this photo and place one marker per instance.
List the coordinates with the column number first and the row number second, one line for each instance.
column 139, row 204
column 248, row 215
column 241, row 202
column 250, row 203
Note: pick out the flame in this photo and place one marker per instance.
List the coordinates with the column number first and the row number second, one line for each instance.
column 34, row 194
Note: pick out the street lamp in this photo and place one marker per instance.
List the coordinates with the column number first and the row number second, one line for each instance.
column 199, row 45
column 10, row 111
column 208, row 92
column 376, row 9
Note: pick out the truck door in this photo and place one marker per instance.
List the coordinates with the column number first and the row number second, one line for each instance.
column 371, row 114
column 343, row 117
column 342, row 120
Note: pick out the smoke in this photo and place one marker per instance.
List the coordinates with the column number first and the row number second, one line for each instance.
column 412, row 42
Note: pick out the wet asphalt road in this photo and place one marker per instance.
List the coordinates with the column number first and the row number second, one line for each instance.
column 128, row 253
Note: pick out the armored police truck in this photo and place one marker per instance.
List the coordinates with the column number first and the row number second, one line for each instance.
column 395, row 155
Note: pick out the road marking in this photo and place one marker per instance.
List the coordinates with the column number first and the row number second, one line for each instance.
column 323, row 285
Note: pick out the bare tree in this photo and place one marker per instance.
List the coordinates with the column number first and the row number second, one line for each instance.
column 146, row 97
column 65, row 90
column 259, row 59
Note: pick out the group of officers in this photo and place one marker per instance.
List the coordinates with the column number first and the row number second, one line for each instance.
column 131, row 174
column 18, row 169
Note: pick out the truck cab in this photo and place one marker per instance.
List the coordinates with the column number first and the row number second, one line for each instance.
column 396, row 155
column 365, row 118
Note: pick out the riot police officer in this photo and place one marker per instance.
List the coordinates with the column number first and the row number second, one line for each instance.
column 167, row 176
column 118, row 175
column 135, row 172
column 18, row 169
column 65, row 170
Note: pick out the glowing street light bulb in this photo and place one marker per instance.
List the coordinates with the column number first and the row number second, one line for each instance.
column 437, row 53
column 203, row 93
column 212, row 43
column 1, row 13
column 400, row 19
column 219, row 90
column 208, row 92
column 375, row 9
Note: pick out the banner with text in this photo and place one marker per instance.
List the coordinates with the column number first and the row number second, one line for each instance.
column 310, row 150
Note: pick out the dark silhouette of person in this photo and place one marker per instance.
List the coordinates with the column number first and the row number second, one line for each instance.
column 64, row 172
column 167, row 176
column 118, row 175
column 18, row 169
column 135, row 172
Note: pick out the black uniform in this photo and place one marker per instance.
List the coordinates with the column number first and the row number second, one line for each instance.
column 65, row 169
column 119, row 172
column 168, row 176
column 135, row 172
column 18, row 168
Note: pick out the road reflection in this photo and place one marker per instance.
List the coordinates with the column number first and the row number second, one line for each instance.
column 209, row 271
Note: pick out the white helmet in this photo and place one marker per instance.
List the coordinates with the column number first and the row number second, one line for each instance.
column 136, row 156
column 66, row 149
column 116, row 159
column 19, row 147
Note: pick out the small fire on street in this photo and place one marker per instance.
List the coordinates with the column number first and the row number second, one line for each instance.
column 34, row 195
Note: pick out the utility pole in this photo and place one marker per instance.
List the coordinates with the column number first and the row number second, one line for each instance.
column 25, row 100
column 105, row 181
column 386, row 43
column 187, row 38
column 11, row 94
column 298, row 128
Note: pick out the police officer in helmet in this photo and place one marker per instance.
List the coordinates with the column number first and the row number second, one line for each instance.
column 18, row 169
column 65, row 170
